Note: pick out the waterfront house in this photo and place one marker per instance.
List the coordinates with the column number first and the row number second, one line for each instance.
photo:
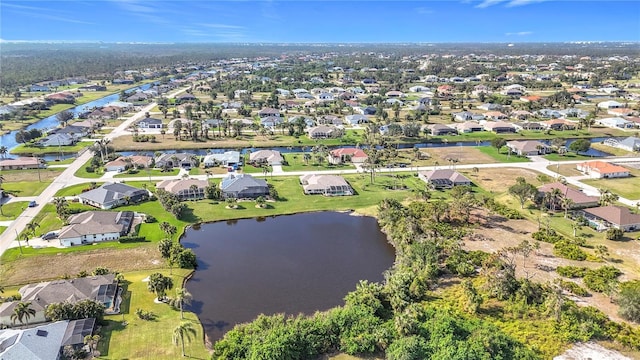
column 149, row 123
column 111, row 195
column 95, row 226
column 443, row 178
column 185, row 189
column 346, row 155
column 271, row 157
column 21, row 163
column 241, row 186
column 528, row 147
column 46, row 341
column 325, row 132
column 182, row 160
column 228, row 158
column 327, row 185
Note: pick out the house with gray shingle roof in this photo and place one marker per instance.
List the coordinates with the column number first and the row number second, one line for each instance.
column 327, row 185
column 95, row 226
column 111, row 195
column 443, row 178
column 240, row 186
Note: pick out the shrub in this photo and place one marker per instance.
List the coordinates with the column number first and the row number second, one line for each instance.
column 150, row 219
column 550, row 236
column 629, row 300
column 571, row 271
column 568, row 250
column 614, row 234
column 501, row 209
column 132, row 239
column 145, row 315
column 601, row 279
column 573, row 288
column 90, row 169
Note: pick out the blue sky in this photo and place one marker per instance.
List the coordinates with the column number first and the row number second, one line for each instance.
column 321, row 21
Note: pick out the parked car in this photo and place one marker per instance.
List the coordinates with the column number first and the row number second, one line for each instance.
column 50, row 235
column 33, row 204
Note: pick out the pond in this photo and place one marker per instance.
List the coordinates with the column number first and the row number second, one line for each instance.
column 286, row 264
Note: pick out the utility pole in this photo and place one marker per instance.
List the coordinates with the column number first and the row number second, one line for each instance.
column 18, row 238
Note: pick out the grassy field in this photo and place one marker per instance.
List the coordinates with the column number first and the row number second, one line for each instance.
column 626, row 187
column 12, row 210
column 149, row 172
column 141, row 339
column 25, row 188
column 502, row 155
column 83, row 173
column 567, row 157
column 25, row 182
column 611, row 150
column 2, row 229
column 61, row 162
column 565, row 169
column 31, row 150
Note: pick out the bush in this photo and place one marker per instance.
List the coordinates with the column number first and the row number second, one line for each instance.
column 145, row 315
column 90, row 169
column 573, row 288
column 150, row 219
column 629, row 300
column 501, row 209
column 614, row 234
column 550, row 236
column 569, row 250
column 601, row 279
column 132, row 239
column 571, row 271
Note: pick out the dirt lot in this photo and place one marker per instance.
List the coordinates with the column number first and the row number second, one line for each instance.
column 464, row 155
column 40, row 268
column 31, row 175
column 498, row 180
column 498, row 233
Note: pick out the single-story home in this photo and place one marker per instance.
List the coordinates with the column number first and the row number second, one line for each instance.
column 228, row 158
column 95, row 226
column 345, row 155
column 467, row 116
column 528, row 125
column 271, row 157
column 111, row 195
column 558, row 124
column 440, row 129
column 325, row 132
column 443, row 178
column 528, row 147
column 499, row 127
column 149, row 123
column 46, row 341
column 602, row 170
column 468, row 127
column 630, row 144
column 125, row 162
column 57, row 140
column 610, row 105
column 329, row 120
column 327, row 185
column 185, row 189
column 271, row 121
column 241, row 186
column 618, row 217
column 615, row 123
column 102, row 288
column 266, row 112
column 183, row 160
column 21, row 163
column 356, row 119
column 579, row 199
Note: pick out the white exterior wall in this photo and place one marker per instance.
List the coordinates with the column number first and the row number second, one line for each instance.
column 89, row 239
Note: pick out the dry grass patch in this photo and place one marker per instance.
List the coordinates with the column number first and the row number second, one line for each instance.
column 499, row 180
column 565, row 169
column 22, row 270
column 31, row 175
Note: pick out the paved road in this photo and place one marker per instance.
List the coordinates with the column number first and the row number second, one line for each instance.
column 65, row 179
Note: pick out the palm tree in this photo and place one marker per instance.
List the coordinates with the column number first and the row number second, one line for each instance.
column 22, row 312
column 566, row 204
column 183, row 297
column 3, row 151
column 607, row 197
column 31, row 228
column 185, row 329
column 61, row 206
column 194, row 191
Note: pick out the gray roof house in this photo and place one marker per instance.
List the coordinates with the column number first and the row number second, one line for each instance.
column 242, row 186
column 272, row 157
column 228, row 158
column 440, row 129
column 630, row 144
column 95, row 226
column 102, row 288
column 443, row 178
column 57, row 140
column 327, row 185
column 44, row 342
column 528, row 147
column 467, row 115
column 356, row 119
column 149, row 123
column 111, row 195
column 324, row 132
column 184, row 160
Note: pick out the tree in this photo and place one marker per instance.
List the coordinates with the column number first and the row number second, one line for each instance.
column 523, row 191
column 607, row 197
column 566, row 204
column 22, row 312
column 31, row 228
column 168, row 229
column 498, row 143
column 472, row 300
column 580, row 146
column 614, row 234
column 182, row 331
column 159, row 284
column 183, row 297
column 601, row 252
column 3, row 151
column 629, row 300
column 62, row 206
column 63, row 117
column 164, row 246
column 92, row 342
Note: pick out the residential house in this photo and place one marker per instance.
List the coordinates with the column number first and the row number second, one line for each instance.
column 123, row 163
column 528, row 125
column 327, row 185
column 102, row 288
column 620, row 112
column 558, row 124
column 271, row 121
column 574, row 113
column 57, row 140
column 94, row 87
column 324, row 132
column 182, row 160
column 185, row 98
column 74, row 130
column 241, row 186
column 615, row 216
column 268, row 112
column 528, row 147
column 325, row 96
column 368, row 110
column 469, row 127
column 549, row 113
column 467, row 116
column 329, row 120
column 368, row 81
column 440, row 129
column 602, row 170
column 610, row 105
column 100, row 114
column 532, row 98
column 21, row 163
column 271, row 157
column 443, row 178
column 308, row 122
column 490, row 107
column 185, row 189
column 579, row 200
column 615, row 123
column 95, row 226
column 394, row 94
column 346, row 155
column 228, row 158
column 521, row 115
column 630, row 144
column 111, row 195
column 149, row 123
column 44, row 342
column 356, row 119
column 499, row 127
column 495, row 115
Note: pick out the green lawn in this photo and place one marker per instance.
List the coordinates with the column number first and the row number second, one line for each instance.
column 626, row 187
column 83, row 173
column 502, row 155
column 567, row 157
column 296, row 163
column 148, row 172
column 32, row 150
column 25, row 188
column 61, row 162
column 2, row 229
column 48, row 220
column 141, row 339
column 12, row 210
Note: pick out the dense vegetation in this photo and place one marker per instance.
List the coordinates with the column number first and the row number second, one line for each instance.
column 404, row 318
